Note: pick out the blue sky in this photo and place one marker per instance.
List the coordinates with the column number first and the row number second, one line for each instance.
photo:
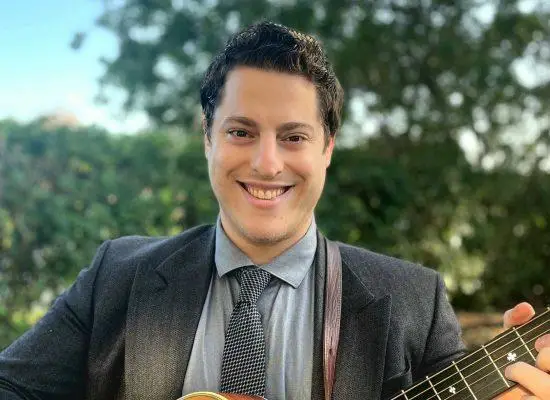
column 39, row 72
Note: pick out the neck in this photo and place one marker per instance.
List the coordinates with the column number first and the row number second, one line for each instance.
column 262, row 252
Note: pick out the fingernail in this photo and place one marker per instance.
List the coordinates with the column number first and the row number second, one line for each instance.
column 509, row 372
column 521, row 305
column 542, row 341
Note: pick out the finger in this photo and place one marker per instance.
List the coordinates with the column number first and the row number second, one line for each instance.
column 518, row 315
column 543, row 360
column 531, row 378
column 515, row 393
column 543, row 341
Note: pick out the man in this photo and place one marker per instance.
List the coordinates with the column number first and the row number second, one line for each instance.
column 156, row 318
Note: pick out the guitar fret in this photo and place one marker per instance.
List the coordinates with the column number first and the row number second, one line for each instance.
column 525, row 344
column 482, row 376
column 421, row 390
column 479, row 375
column 433, row 388
column 493, row 362
column 468, row 386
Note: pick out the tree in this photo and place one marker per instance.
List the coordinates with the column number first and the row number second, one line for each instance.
column 455, row 95
column 424, row 69
column 65, row 190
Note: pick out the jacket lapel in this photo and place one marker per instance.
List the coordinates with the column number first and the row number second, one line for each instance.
column 364, row 329
column 317, row 380
column 363, row 337
column 163, row 314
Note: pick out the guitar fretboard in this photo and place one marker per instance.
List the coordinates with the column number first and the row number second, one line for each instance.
column 479, row 375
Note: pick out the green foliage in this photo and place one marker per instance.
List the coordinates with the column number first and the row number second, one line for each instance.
column 64, row 191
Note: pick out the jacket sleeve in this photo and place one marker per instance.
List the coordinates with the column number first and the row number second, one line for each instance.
column 49, row 360
column 444, row 342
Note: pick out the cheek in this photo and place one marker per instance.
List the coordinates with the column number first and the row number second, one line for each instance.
column 225, row 165
column 311, row 169
column 220, row 161
column 301, row 164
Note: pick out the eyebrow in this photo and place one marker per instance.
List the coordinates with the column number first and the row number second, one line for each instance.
column 287, row 126
column 241, row 120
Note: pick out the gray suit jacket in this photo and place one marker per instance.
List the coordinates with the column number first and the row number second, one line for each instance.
column 125, row 328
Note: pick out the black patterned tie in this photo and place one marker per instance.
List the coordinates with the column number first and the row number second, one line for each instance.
column 243, row 364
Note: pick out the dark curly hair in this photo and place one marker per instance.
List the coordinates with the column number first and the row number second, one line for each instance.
column 275, row 47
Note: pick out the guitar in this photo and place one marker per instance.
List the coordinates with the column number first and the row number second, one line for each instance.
column 479, row 375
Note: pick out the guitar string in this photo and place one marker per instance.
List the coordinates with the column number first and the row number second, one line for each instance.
column 471, row 354
column 497, row 359
column 473, row 383
column 495, row 340
column 485, row 376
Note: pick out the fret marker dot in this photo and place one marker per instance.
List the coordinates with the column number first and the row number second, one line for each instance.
column 452, row 390
column 512, row 357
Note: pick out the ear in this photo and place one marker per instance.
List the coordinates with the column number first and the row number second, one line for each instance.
column 328, row 150
column 206, row 138
column 203, row 124
column 207, row 146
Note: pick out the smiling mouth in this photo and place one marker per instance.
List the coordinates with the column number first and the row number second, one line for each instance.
column 263, row 193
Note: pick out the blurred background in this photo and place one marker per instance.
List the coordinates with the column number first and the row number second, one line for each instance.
column 443, row 158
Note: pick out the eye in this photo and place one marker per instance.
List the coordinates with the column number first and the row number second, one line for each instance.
column 294, row 138
column 238, row 133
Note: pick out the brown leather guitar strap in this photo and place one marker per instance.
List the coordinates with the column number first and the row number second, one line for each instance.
column 333, row 305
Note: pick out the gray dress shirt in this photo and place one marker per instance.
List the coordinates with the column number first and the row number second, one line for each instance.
column 286, row 307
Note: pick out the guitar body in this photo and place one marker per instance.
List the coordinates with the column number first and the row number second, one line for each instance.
column 218, row 396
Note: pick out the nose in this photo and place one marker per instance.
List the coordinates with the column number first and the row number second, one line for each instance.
column 267, row 160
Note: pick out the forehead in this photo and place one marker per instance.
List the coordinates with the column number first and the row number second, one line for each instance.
column 269, row 96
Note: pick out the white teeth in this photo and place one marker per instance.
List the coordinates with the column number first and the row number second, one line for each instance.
column 265, row 194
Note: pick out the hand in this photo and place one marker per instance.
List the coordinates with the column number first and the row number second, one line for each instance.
column 534, row 382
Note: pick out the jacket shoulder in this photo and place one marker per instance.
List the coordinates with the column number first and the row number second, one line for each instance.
column 383, row 273
column 424, row 329
column 130, row 250
column 116, row 262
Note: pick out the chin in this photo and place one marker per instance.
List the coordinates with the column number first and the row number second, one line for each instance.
column 265, row 236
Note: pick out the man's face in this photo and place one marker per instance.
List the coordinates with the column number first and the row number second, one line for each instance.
column 266, row 156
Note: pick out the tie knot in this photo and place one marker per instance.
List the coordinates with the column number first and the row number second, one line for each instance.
column 253, row 282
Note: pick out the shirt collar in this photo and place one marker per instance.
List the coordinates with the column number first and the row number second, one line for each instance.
column 291, row 266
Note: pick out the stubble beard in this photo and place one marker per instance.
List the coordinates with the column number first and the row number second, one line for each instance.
column 270, row 237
